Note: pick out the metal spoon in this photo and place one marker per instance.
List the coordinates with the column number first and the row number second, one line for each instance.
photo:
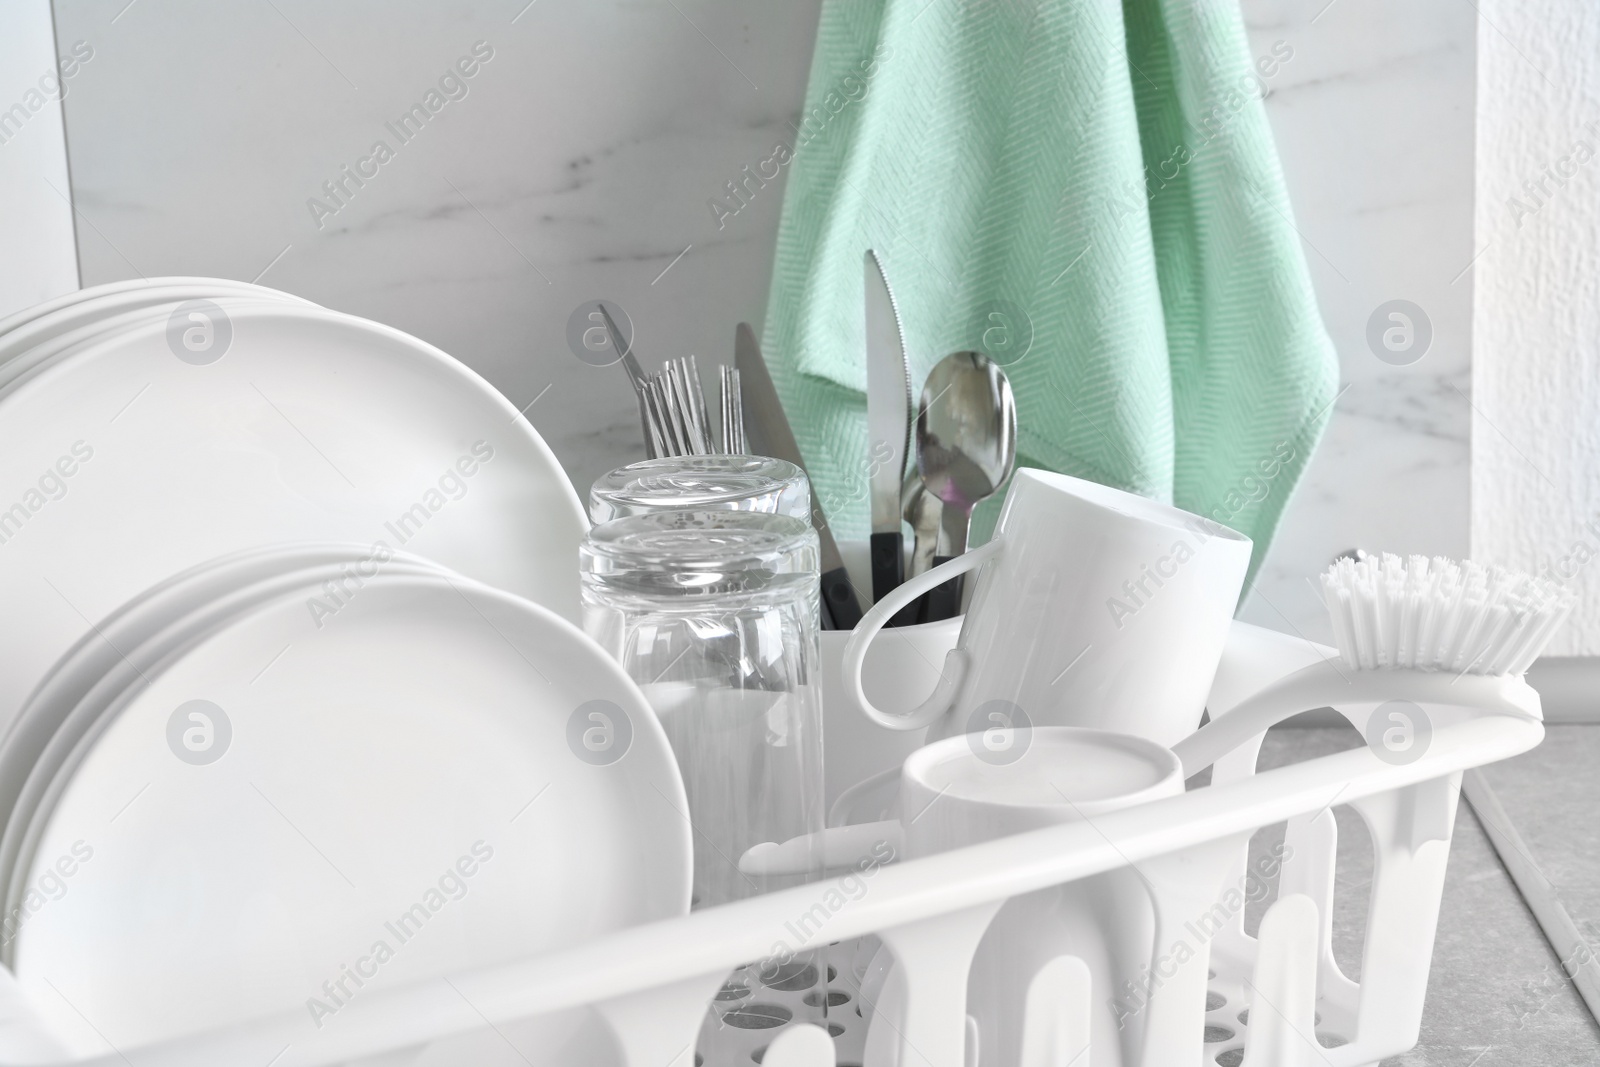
column 922, row 510
column 966, row 449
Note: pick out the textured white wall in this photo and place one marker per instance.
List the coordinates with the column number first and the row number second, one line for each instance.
column 1536, row 359
column 37, row 256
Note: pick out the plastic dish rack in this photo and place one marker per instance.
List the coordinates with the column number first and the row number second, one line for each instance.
column 1276, row 1000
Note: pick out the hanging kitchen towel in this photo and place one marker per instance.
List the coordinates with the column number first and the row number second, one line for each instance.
column 1087, row 191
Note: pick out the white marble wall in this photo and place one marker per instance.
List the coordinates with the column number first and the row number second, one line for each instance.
column 577, row 166
column 1374, row 122
column 580, row 161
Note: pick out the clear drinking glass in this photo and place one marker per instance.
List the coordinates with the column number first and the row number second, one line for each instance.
column 702, row 483
column 715, row 615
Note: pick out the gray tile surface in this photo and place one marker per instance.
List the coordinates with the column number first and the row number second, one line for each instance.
column 1496, row 992
column 1553, row 796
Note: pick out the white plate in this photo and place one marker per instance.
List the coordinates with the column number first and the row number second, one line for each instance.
column 425, row 725
column 88, row 310
column 38, row 352
column 62, row 715
column 81, row 727
column 311, row 426
column 217, row 286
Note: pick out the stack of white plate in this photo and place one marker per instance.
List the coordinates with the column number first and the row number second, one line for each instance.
column 291, row 702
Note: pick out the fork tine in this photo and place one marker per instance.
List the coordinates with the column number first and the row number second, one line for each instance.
column 686, row 414
column 740, row 446
column 732, row 414
column 661, row 391
column 651, row 396
column 697, row 405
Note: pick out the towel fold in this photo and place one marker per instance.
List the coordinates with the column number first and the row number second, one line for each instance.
column 1088, row 192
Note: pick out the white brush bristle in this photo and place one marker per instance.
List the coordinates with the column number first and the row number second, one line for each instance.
column 1439, row 615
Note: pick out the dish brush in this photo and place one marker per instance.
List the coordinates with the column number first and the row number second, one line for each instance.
column 1439, row 615
column 1426, row 630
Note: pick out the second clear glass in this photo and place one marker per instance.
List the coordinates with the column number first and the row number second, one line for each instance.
column 702, row 483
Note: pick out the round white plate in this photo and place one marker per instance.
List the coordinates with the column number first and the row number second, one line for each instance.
column 62, row 716
column 31, row 358
column 403, row 793
column 212, row 286
column 88, row 310
column 122, row 463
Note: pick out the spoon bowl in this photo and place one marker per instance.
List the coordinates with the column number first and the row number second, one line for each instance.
column 966, row 449
column 966, row 438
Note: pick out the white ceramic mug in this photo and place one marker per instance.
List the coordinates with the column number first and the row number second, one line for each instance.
column 959, row 792
column 1094, row 608
column 904, row 660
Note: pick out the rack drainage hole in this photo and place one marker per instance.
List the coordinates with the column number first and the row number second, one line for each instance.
column 761, row 1053
column 836, row 997
column 758, row 1016
column 791, row 978
column 1330, row 1040
column 1231, row 1058
column 1215, row 1001
column 1216, row 1035
column 1244, row 1020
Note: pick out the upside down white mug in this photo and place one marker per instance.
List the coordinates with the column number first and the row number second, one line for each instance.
column 1094, row 608
column 955, row 793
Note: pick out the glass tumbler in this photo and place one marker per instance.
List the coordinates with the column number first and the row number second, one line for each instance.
column 702, row 483
column 714, row 614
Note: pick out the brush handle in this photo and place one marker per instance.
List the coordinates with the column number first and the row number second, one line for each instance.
column 1334, row 683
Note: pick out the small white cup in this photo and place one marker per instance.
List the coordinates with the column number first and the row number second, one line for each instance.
column 1094, row 608
column 970, row 789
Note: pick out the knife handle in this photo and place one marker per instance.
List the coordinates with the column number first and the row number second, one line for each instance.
column 888, row 561
column 944, row 601
column 888, row 571
column 839, row 599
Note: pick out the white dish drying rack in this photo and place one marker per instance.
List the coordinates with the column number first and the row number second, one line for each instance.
column 649, row 986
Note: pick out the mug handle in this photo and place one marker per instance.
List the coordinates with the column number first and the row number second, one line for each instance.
column 955, row 661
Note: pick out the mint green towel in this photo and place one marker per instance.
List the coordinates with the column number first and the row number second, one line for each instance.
column 1087, row 191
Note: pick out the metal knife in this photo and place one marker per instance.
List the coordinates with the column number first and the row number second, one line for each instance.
column 888, row 427
column 767, row 430
column 636, row 376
